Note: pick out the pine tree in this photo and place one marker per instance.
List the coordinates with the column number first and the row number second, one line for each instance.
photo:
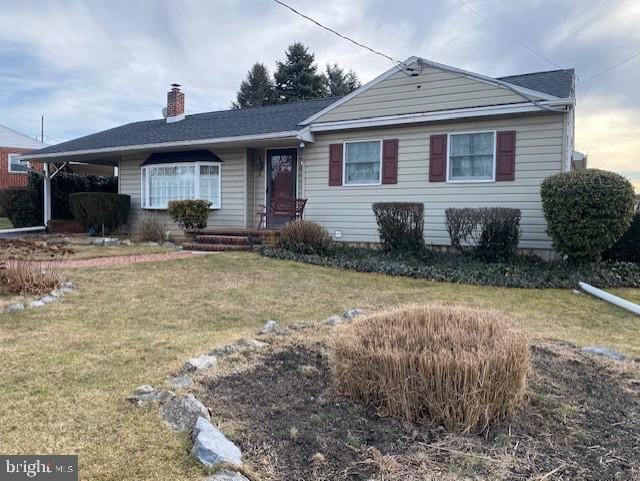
column 339, row 83
column 257, row 89
column 297, row 78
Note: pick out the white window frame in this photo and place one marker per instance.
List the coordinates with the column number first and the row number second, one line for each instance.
column 146, row 179
column 11, row 171
column 471, row 181
column 344, row 163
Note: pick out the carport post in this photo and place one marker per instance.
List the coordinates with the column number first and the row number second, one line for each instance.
column 47, row 195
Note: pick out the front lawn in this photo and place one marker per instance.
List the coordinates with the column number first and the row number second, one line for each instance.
column 68, row 367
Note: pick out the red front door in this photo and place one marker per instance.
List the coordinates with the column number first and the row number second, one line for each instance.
column 281, row 180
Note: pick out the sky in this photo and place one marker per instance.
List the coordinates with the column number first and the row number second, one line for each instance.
column 91, row 65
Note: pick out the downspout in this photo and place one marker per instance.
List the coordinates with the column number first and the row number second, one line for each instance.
column 46, row 194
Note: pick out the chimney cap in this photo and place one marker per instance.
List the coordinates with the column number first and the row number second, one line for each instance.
column 175, row 86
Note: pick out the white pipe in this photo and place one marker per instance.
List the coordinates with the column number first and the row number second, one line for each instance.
column 47, row 195
column 605, row 296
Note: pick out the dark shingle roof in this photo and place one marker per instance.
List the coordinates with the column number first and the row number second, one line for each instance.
column 553, row 82
column 208, row 125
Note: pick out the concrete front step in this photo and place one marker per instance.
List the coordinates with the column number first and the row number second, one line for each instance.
column 192, row 246
column 224, row 239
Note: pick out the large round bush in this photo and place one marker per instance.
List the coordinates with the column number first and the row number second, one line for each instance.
column 461, row 367
column 587, row 211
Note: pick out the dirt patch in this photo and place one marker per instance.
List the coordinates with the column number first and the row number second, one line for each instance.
column 582, row 421
column 31, row 250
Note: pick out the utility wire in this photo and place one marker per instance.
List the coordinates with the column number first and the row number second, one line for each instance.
column 522, row 44
column 608, row 69
column 397, row 63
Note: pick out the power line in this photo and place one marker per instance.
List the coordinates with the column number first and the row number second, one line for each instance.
column 397, row 63
column 608, row 69
column 522, row 44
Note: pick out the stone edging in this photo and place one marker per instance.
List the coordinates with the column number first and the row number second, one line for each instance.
column 53, row 296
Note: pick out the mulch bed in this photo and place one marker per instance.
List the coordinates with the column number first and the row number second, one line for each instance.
column 582, row 421
column 31, row 250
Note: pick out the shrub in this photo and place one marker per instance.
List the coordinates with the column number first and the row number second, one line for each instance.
column 64, row 184
column 587, row 211
column 101, row 211
column 190, row 214
column 305, row 237
column 26, row 278
column 149, row 229
column 460, row 367
column 21, row 206
column 628, row 247
column 400, row 225
column 489, row 233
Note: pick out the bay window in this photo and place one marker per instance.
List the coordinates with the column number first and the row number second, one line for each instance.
column 162, row 183
column 471, row 157
column 362, row 162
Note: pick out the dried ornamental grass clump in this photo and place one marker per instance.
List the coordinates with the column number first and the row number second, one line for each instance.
column 26, row 278
column 461, row 367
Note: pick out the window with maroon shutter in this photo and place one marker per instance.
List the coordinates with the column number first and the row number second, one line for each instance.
column 506, row 156
column 335, row 164
column 438, row 158
column 390, row 161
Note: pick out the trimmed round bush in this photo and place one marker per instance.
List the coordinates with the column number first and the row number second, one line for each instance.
column 460, row 367
column 587, row 211
column 400, row 225
column 304, row 237
column 190, row 214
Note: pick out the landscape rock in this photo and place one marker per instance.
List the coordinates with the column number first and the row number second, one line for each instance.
column 15, row 307
column 66, row 290
column 272, row 327
column 349, row 314
column 181, row 412
column 211, row 447
column 56, row 293
column 145, row 394
column 180, row 382
column 605, row 352
column 48, row 299
column 226, row 475
column 334, row 320
column 37, row 303
column 239, row 345
column 199, row 363
column 68, row 285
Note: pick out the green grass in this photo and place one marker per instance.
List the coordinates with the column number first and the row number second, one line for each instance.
column 5, row 223
column 67, row 368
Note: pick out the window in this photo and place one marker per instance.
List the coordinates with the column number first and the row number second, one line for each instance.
column 362, row 162
column 471, row 157
column 166, row 182
column 17, row 166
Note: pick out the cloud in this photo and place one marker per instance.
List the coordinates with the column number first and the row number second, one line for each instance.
column 89, row 66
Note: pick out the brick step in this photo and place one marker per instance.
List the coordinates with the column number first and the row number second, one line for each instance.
column 225, row 239
column 234, row 231
column 215, row 247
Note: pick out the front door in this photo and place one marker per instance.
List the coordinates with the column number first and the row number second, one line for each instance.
column 281, row 179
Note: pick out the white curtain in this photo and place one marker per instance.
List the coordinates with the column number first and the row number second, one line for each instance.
column 362, row 162
column 210, row 184
column 471, row 156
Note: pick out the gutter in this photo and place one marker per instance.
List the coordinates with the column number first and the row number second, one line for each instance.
column 296, row 134
column 615, row 300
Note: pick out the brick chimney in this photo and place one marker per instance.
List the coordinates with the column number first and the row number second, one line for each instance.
column 175, row 104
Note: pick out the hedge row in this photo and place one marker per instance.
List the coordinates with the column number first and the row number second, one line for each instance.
column 523, row 271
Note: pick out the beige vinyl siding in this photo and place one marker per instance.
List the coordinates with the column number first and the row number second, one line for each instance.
column 433, row 89
column 539, row 153
column 251, row 183
column 232, row 211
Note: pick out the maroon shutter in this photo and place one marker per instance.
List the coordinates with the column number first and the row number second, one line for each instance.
column 390, row 161
column 438, row 158
column 506, row 156
column 335, row 164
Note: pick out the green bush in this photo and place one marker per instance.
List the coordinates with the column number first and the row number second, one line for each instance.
column 190, row 214
column 400, row 225
column 63, row 185
column 628, row 247
column 587, row 211
column 305, row 237
column 102, row 211
column 21, row 206
column 522, row 271
column 489, row 233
